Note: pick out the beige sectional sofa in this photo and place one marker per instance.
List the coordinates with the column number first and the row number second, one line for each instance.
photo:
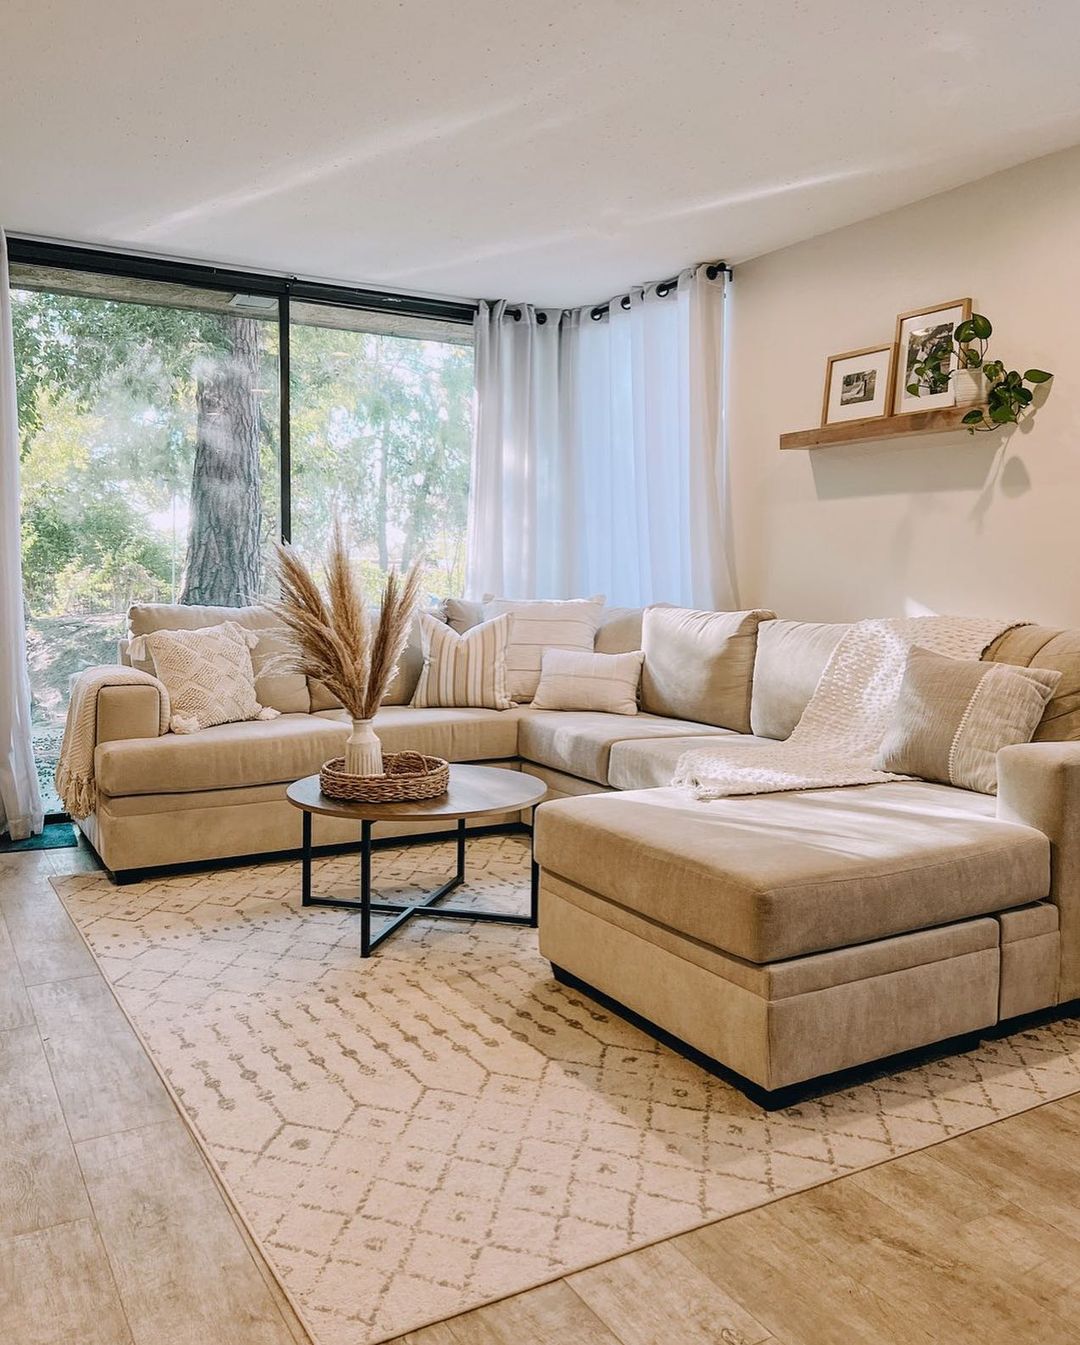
column 786, row 936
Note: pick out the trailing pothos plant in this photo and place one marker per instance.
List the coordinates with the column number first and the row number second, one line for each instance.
column 1008, row 398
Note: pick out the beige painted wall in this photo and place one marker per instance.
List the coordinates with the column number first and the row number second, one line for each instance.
column 988, row 525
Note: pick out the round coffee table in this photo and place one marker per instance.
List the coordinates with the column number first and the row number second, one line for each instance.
column 474, row 791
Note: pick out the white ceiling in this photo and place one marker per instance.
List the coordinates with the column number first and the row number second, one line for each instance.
column 548, row 150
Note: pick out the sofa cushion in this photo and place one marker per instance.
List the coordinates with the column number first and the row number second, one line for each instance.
column 284, row 691
column 772, row 876
column 234, row 756
column 619, row 631
column 579, row 742
column 1059, row 650
column 649, row 763
column 791, row 656
column 699, row 665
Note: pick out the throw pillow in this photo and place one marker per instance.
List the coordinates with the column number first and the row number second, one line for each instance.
column 463, row 613
column 539, row 625
column 954, row 715
column 700, row 665
column 467, row 669
column 274, row 684
column 570, row 680
column 208, row 674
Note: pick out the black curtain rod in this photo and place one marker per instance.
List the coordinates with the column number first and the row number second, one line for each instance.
column 662, row 287
column 37, row 252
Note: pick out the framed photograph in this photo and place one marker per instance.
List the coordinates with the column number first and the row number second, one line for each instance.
column 858, row 385
column 918, row 333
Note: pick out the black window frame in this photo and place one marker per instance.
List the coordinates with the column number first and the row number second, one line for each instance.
column 76, row 257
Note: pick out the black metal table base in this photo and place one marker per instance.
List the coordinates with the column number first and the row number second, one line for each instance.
column 402, row 912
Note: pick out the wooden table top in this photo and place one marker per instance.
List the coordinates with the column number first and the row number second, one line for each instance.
column 473, row 791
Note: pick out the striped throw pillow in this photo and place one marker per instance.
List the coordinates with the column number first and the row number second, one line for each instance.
column 467, row 669
column 539, row 624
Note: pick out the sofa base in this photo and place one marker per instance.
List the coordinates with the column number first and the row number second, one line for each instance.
column 775, row 1099
column 787, row 1022
column 123, row 877
column 168, row 832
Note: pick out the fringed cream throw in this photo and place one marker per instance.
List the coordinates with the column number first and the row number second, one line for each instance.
column 75, row 769
column 841, row 729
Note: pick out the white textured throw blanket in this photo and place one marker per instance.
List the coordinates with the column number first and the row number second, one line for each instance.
column 75, row 769
column 836, row 740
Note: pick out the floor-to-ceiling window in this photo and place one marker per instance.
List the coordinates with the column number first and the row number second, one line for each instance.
column 381, row 437
column 156, row 419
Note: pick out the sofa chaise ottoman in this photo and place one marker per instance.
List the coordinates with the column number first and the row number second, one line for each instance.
column 791, row 935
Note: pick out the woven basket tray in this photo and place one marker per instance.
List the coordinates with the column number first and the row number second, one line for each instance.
column 407, row 777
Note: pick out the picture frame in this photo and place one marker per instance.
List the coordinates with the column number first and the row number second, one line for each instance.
column 858, row 385
column 916, row 332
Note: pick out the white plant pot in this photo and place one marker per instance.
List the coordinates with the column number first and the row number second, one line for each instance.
column 971, row 387
column 363, row 750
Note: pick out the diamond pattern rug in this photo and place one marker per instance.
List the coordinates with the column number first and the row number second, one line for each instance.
column 414, row 1135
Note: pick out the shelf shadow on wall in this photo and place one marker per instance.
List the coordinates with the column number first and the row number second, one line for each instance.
column 946, row 462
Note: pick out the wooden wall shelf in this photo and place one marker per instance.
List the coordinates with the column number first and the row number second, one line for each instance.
column 941, row 421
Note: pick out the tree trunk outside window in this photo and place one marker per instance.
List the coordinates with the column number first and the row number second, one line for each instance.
column 224, row 561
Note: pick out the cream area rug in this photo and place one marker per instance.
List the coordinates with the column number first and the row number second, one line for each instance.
column 443, row 1124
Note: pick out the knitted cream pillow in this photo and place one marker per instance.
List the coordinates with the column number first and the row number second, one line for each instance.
column 208, row 674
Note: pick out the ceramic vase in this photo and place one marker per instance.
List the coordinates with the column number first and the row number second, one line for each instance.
column 363, row 751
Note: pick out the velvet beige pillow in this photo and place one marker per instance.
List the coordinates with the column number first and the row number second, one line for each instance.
column 954, row 716
column 467, row 669
column 463, row 613
column 700, row 665
column 538, row 625
column 572, row 680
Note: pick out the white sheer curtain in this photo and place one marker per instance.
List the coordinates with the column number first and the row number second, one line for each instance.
column 600, row 462
column 20, row 797
column 516, row 492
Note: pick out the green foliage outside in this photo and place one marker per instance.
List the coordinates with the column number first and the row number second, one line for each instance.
column 108, row 409
column 381, row 434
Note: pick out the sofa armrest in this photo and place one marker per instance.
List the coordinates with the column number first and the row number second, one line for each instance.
column 128, row 712
column 1039, row 786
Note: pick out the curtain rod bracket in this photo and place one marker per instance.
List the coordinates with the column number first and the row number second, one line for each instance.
column 714, row 270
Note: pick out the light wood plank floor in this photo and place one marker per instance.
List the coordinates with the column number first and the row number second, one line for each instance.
column 113, row 1231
